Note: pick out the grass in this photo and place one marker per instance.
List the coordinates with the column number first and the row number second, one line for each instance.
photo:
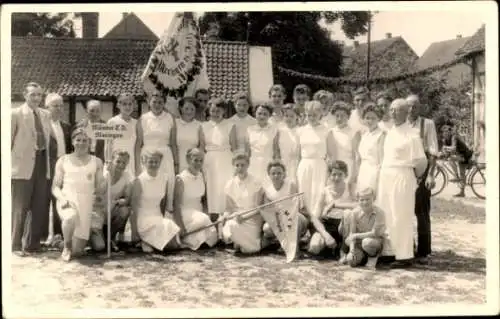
column 214, row 278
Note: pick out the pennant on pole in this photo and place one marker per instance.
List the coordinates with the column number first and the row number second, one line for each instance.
column 283, row 219
column 177, row 64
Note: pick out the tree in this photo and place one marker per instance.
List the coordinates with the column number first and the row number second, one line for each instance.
column 43, row 24
column 298, row 41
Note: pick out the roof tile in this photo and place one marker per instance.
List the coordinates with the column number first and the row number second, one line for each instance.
column 108, row 67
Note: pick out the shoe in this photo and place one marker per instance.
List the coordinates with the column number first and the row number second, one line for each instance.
column 49, row 242
column 20, row 253
column 66, row 255
column 401, row 264
column 146, row 248
column 422, row 260
column 114, row 247
column 461, row 194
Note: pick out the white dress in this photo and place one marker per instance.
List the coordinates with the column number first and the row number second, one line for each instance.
column 154, row 229
column 312, row 169
column 385, row 125
column 192, row 211
column 371, row 159
column 289, row 150
column 344, row 147
column 127, row 142
column 218, row 166
column 244, row 195
column 78, row 187
column 187, row 138
column 329, row 121
column 156, row 136
column 397, row 186
column 356, row 122
column 261, row 140
column 241, row 125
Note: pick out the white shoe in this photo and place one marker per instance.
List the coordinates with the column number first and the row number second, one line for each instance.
column 66, row 254
column 146, row 248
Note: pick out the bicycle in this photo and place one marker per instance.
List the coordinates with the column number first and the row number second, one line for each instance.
column 475, row 177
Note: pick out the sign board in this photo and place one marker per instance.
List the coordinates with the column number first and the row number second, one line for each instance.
column 108, row 132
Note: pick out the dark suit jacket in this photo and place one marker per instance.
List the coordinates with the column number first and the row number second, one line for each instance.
column 66, row 128
column 99, row 147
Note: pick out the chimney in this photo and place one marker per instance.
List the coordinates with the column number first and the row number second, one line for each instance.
column 90, row 25
column 388, row 35
column 459, row 36
column 356, row 44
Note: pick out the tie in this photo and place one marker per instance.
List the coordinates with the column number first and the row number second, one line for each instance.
column 40, row 135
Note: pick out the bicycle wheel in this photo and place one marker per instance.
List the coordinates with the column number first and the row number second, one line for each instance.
column 477, row 182
column 441, row 179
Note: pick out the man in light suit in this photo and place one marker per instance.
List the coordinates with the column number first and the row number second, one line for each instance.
column 94, row 111
column 60, row 144
column 30, row 141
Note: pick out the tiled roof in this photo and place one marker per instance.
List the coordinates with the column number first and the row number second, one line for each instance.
column 475, row 44
column 439, row 53
column 388, row 57
column 131, row 27
column 107, row 67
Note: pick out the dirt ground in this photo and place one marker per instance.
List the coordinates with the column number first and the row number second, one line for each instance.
column 216, row 279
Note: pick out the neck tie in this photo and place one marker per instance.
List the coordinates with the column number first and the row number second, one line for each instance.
column 40, row 135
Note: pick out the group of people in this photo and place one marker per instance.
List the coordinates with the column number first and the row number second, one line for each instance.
column 364, row 173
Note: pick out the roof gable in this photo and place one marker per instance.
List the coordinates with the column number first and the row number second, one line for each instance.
column 131, row 27
column 439, row 53
column 108, row 67
column 387, row 56
column 475, row 44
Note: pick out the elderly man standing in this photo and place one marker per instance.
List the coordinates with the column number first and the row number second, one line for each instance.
column 403, row 164
column 426, row 130
column 94, row 111
column 60, row 144
column 30, row 141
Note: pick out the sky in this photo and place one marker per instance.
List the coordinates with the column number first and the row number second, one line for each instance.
column 418, row 28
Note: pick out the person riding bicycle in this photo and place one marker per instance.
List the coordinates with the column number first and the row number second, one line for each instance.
column 454, row 148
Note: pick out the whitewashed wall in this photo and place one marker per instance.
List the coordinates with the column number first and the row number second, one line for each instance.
column 479, row 103
column 261, row 73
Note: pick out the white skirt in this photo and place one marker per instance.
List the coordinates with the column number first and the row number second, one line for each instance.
column 194, row 219
column 218, row 169
column 156, row 230
column 311, row 179
column 396, row 197
column 291, row 165
column 83, row 212
column 258, row 168
column 368, row 176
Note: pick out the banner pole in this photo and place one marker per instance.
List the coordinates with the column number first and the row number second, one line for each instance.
column 109, row 217
column 253, row 210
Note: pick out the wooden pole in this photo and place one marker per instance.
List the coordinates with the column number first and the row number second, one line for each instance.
column 245, row 212
column 368, row 50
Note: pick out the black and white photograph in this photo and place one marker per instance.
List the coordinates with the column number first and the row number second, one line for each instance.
column 328, row 158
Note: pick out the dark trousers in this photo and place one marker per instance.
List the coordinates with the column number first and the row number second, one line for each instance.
column 422, row 212
column 29, row 207
column 56, row 220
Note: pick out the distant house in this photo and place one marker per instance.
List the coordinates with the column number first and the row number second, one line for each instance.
column 440, row 53
column 389, row 56
column 474, row 51
column 101, row 68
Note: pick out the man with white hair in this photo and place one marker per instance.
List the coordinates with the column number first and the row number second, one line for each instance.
column 403, row 164
column 60, row 144
column 94, row 111
column 426, row 130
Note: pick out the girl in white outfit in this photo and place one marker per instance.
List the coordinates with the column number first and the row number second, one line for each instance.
column 188, row 209
column 125, row 103
column 243, row 192
column 219, row 136
column 316, row 148
column 78, row 177
column 371, row 149
column 346, row 143
column 261, row 143
column 156, row 131
column 289, row 142
column 188, row 131
column 383, row 103
column 242, row 120
column 152, row 226
column 277, row 95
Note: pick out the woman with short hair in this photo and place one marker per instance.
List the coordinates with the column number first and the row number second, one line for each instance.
column 78, row 177
column 189, row 134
